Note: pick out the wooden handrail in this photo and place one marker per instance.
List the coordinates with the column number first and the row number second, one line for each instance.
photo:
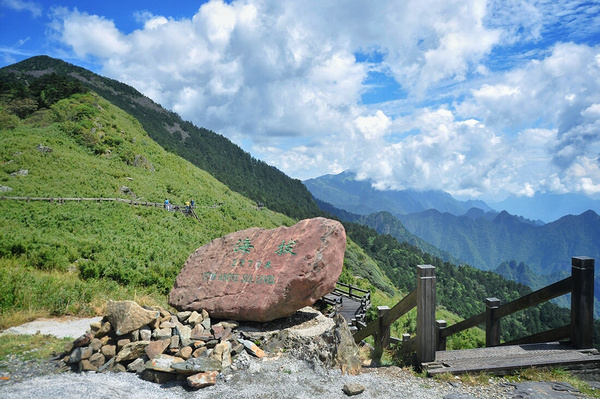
column 579, row 284
column 535, row 298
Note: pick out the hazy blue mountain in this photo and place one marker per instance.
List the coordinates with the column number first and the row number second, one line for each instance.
column 522, row 273
column 547, row 207
column 485, row 244
column 344, row 191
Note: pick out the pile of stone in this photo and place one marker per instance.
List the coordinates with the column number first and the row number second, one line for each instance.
column 159, row 345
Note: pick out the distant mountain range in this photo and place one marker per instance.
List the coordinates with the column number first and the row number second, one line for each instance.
column 358, row 196
column 344, row 191
column 548, row 207
column 477, row 235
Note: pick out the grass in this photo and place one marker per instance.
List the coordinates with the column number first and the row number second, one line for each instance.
column 31, row 347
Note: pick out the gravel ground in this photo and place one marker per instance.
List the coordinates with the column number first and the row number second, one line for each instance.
column 280, row 377
column 271, row 377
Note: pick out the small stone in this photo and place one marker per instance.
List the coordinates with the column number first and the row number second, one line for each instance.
column 20, row 173
column 156, row 348
column 185, row 353
column 104, row 329
column 198, row 352
column 138, row 365
column 80, row 354
column 109, row 351
column 132, row 351
column 206, row 322
column 167, row 324
column 95, row 344
column 252, row 348
column 127, row 316
column 230, row 324
column 86, row 365
column 83, row 340
column 145, row 333
column 163, row 333
column 174, row 344
column 97, row 359
column 352, row 389
column 202, row 380
column 163, row 362
column 95, row 326
column 157, row 377
column 196, row 365
column 135, row 335
column 185, row 332
column 117, row 368
column 122, row 342
column 197, row 332
column 194, row 319
column 183, row 316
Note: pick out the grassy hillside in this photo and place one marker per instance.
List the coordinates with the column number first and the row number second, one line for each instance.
column 101, row 249
column 208, row 150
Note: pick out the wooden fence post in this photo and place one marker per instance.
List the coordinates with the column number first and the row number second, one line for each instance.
column 582, row 302
column 383, row 336
column 492, row 323
column 441, row 341
column 426, row 337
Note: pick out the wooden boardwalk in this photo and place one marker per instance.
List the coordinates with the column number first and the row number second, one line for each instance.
column 503, row 359
column 348, row 307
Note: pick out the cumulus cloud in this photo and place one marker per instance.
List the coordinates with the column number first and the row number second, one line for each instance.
column 285, row 80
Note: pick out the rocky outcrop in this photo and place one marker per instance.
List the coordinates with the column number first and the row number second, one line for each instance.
column 189, row 346
column 262, row 275
column 158, row 345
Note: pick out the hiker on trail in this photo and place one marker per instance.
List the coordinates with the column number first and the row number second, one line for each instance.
column 192, row 204
column 187, row 206
column 167, row 205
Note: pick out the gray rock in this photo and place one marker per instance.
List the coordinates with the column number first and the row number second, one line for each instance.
column 352, row 389
column 79, row 354
column 4, row 189
column 127, row 316
column 43, row 149
column 132, row 351
column 20, row 173
column 197, row 365
column 145, row 333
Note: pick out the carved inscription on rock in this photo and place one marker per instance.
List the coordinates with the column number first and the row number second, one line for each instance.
column 261, row 275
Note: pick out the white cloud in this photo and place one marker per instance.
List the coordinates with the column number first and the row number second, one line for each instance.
column 89, row 34
column 33, row 7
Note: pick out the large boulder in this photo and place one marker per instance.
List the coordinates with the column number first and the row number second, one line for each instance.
column 262, row 275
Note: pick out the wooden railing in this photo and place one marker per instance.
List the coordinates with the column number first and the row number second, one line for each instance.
column 431, row 335
column 581, row 287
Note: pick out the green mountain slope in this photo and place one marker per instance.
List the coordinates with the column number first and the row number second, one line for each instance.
column 209, row 151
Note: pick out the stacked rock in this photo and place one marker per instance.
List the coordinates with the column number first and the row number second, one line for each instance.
column 159, row 345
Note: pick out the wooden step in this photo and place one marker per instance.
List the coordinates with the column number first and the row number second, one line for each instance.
column 504, row 359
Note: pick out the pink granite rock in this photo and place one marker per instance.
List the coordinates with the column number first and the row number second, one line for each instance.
column 262, row 275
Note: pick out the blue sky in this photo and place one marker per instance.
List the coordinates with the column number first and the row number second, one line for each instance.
column 482, row 99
